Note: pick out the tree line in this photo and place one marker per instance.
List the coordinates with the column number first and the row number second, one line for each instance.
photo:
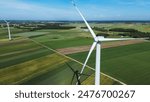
column 125, row 32
column 46, row 26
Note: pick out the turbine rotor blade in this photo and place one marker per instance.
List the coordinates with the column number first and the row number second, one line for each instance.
column 5, row 21
column 114, row 39
column 91, row 50
column 88, row 26
column 72, row 78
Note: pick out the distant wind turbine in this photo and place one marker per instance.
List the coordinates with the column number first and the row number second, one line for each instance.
column 9, row 35
column 97, row 43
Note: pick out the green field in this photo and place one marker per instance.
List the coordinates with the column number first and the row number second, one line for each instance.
column 129, row 64
column 27, row 62
column 23, row 61
column 59, row 38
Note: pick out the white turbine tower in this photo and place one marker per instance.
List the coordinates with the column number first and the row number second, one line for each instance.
column 97, row 44
column 9, row 35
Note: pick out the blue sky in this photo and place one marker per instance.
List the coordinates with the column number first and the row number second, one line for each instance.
column 63, row 9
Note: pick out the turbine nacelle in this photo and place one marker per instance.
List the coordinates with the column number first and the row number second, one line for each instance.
column 99, row 38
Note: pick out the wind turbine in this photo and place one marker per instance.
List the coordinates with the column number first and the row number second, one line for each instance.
column 97, row 43
column 9, row 35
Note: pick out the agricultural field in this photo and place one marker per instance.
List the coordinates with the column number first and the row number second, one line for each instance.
column 28, row 62
column 51, row 38
column 31, row 58
column 25, row 62
column 129, row 64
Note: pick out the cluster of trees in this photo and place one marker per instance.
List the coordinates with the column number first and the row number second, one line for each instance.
column 83, row 27
column 100, row 29
column 46, row 26
column 136, row 35
column 131, row 32
column 96, row 28
column 4, row 25
column 116, row 30
column 123, row 30
column 54, row 26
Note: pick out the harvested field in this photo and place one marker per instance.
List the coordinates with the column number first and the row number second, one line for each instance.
column 72, row 50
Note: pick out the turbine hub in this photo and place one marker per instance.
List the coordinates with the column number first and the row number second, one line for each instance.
column 99, row 38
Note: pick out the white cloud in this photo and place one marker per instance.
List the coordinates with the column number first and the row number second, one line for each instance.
column 31, row 11
column 15, row 4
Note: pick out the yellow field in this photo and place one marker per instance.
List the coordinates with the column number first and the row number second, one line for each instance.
column 25, row 71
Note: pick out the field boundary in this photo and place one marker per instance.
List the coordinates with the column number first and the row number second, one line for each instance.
column 75, row 61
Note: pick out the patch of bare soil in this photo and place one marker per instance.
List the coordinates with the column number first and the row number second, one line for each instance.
column 72, row 50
